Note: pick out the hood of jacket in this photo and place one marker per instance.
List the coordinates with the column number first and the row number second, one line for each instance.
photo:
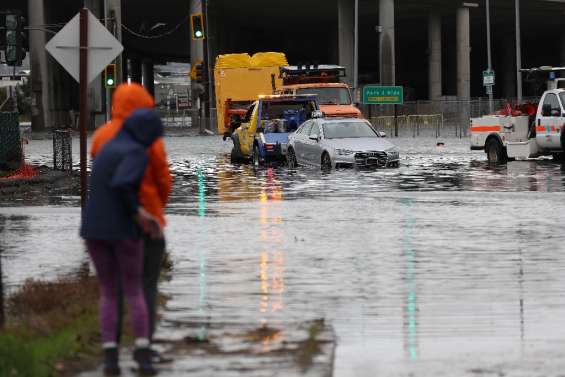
column 144, row 126
column 130, row 97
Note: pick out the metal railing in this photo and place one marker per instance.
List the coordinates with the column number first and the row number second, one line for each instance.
column 432, row 118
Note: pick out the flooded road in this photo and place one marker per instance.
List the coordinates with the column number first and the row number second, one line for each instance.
column 443, row 267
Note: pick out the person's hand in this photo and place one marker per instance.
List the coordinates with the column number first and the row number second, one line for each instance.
column 149, row 223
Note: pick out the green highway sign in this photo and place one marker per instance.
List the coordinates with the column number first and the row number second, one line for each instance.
column 383, row 95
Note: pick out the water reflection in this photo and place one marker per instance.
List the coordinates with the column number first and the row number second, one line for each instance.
column 201, row 258
column 271, row 259
column 411, row 300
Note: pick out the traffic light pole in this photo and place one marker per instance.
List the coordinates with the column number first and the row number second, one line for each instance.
column 83, row 119
column 205, row 69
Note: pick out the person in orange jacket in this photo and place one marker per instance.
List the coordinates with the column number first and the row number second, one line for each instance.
column 155, row 186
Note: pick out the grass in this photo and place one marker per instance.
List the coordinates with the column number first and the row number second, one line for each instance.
column 49, row 324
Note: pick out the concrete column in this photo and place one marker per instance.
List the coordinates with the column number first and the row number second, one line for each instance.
column 387, row 53
column 434, row 58
column 345, row 16
column 463, row 54
column 38, row 62
column 149, row 76
column 508, row 74
column 562, row 51
column 135, row 69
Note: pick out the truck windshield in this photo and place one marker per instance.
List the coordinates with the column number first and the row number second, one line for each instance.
column 329, row 96
column 345, row 130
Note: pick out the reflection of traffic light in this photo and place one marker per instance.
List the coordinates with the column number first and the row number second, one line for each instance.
column 197, row 24
column 110, row 76
column 12, row 25
column 197, row 72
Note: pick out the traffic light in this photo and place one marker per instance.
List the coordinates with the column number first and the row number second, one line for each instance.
column 197, row 72
column 13, row 33
column 110, row 76
column 197, row 24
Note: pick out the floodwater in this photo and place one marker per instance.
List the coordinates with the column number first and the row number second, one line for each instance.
column 443, row 267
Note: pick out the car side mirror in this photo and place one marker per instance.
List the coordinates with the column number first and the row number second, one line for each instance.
column 381, row 133
column 317, row 114
column 315, row 138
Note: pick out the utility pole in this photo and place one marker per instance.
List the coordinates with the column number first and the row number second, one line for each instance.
column 206, row 70
column 489, row 56
column 83, row 118
column 518, row 54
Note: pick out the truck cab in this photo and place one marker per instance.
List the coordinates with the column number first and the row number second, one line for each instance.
column 523, row 134
column 263, row 134
column 334, row 96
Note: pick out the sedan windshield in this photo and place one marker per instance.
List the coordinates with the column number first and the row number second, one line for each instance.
column 329, row 96
column 344, row 130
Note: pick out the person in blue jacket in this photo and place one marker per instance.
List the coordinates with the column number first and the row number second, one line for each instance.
column 112, row 225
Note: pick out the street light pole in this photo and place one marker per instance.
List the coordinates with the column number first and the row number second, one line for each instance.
column 489, row 57
column 356, row 49
column 518, row 54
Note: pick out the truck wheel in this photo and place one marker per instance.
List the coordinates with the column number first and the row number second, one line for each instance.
column 496, row 153
column 291, row 158
column 326, row 162
column 236, row 156
column 258, row 160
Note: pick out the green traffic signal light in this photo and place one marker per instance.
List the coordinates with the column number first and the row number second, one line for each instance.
column 110, row 76
column 197, row 24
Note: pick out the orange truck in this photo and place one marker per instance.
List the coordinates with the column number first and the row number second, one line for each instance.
column 334, row 96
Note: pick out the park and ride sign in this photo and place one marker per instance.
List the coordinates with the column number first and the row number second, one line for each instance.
column 383, row 95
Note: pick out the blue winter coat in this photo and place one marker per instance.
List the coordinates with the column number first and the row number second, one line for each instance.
column 116, row 175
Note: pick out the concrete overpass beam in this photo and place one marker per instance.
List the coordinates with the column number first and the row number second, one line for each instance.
column 388, row 52
column 434, row 45
column 345, row 16
column 149, row 76
column 40, row 118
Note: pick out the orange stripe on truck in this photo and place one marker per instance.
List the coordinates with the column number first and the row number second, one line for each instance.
column 485, row 128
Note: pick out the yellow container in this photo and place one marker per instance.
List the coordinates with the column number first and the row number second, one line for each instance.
column 241, row 78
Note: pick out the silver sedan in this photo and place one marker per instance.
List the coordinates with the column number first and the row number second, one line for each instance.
column 348, row 142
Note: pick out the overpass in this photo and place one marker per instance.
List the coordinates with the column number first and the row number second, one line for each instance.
column 435, row 48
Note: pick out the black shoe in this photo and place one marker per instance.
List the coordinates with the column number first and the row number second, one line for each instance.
column 111, row 362
column 143, row 358
column 158, row 358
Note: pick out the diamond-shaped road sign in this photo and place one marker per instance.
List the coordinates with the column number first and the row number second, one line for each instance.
column 103, row 47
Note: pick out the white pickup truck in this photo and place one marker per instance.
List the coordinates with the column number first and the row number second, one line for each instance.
column 505, row 137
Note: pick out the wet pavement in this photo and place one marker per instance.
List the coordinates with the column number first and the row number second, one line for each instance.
column 443, row 267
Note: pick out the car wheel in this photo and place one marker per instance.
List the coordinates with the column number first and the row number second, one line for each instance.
column 258, row 160
column 326, row 161
column 291, row 158
column 496, row 153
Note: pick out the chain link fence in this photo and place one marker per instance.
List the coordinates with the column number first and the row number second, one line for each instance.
column 433, row 118
column 11, row 153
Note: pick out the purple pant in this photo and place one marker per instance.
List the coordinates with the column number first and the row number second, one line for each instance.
column 117, row 261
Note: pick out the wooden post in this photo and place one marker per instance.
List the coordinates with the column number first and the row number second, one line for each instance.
column 83, row 119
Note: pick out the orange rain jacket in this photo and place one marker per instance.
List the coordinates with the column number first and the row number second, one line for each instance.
column 157, row 182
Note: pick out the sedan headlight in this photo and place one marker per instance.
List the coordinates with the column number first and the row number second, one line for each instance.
column 393, row 154
column 344, row 152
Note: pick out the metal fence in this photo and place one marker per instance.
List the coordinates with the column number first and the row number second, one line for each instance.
column 177, row 118
column 62, row 150
column 432, row 118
